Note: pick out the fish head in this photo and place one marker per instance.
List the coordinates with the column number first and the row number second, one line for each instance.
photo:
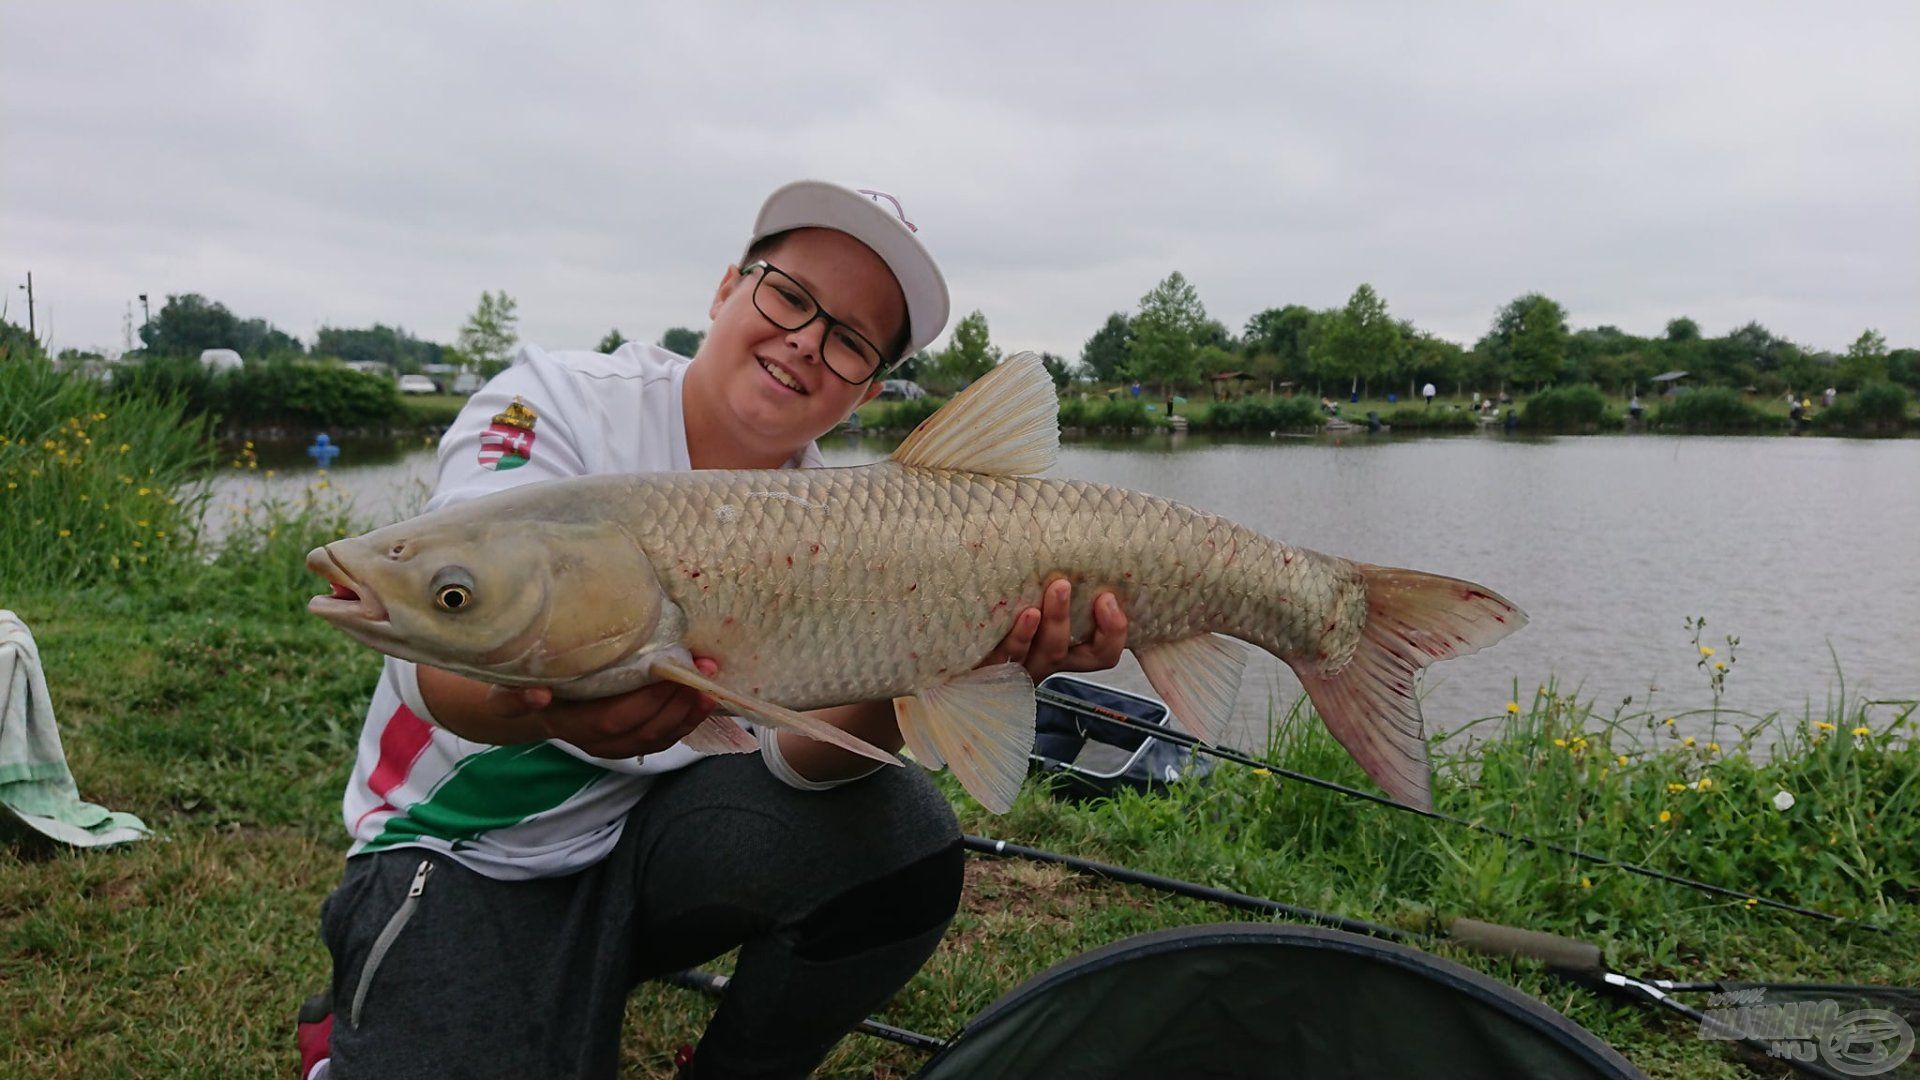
column 518, row 603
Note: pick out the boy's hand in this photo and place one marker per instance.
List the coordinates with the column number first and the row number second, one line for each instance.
column 633, row 724
column 1042, row 638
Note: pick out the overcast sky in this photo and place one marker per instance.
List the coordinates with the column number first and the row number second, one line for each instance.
column 344, row 163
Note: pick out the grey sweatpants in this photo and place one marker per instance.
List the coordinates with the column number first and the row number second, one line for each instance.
column 836, row 897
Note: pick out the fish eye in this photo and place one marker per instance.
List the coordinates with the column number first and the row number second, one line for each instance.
column 452, row 589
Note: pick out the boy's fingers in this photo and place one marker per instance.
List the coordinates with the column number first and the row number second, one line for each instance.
column 1018, row 642
column 1109, row 640
column 1055, row 633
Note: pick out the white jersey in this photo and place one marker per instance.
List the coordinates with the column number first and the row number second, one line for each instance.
column 539, row 809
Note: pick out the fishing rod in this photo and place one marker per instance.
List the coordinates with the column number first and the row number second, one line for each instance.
column 1182, row 739
column 1567, row 958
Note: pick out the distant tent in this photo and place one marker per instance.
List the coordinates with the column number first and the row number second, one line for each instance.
column 220, row 359
column 1252, row 999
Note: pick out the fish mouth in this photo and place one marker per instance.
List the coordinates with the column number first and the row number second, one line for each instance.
column 350, row 602
column 783, row 375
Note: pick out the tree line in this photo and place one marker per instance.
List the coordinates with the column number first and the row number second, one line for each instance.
column 1169, row 342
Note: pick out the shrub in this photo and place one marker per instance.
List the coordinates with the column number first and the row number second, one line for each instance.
column 280, row 394
column 1107, row 414
column 1713, row 408
column 1262, row 414
column 902, row 415
column 1565, row 408
column 95, row 489
column 1876, row 408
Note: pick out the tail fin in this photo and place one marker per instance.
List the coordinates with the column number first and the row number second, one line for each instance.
column 1413, row 619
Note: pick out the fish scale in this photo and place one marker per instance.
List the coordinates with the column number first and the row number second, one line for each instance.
column 886, row 553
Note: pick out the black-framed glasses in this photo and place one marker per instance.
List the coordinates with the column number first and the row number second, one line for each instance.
column 788, row 305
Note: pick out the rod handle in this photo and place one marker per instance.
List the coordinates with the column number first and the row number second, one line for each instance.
column 1562, row 953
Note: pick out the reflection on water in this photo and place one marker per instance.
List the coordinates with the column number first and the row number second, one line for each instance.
column 382, row 479
column 1802, row 548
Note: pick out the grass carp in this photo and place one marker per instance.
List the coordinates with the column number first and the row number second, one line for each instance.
column 819, row 587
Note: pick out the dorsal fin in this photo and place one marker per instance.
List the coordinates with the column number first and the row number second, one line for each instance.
column 1007, row 423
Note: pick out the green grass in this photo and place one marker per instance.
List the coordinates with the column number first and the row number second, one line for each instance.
column 431, row 412
column 200, row 696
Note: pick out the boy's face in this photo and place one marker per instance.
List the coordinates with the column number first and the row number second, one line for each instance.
column 744, row 350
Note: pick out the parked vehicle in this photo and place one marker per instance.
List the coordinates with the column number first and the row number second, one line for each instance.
column 417, row 384
column 901, row 390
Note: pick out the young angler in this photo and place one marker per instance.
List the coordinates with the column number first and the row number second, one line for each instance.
column 519, row 863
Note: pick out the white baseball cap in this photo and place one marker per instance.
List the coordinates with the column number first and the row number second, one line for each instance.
column 877, row 220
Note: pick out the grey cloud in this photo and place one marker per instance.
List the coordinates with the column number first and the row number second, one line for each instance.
column 352, row 163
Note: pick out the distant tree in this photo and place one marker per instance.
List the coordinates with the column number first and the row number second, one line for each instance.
column 1903, row 367
column 17, row 344
column 1528, row 341
column 912, row 366
column 387, row 345
column 1432, row 359
column 1285, row 333
column 1062, row 373
column 968, row 355
column 682, row 340
column 488, row 338
column 1166, row 334
column 1682, row 329
column 612, row 341
column 1865, row 360
column 189, row 323
column 1539, row 346
column 1360, row 343
column 1104, row 356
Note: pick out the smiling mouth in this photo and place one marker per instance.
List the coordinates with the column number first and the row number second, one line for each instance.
column 782, row 376
column 350, row 601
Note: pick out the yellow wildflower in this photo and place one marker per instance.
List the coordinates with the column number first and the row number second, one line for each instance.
column 1622, row 759
column 1668, row 721
column 11, row 485
column 124, row 447
column 64, row 533
column 1862, row 731
column 1586, row 882
column 1559, row 742
column 1666, row 816
column 1688, row 741
column 1706, row 650
column 144, row 491
column 99, row 416
column 1675, row 789
column 1706, row 783
column 1513, row 707
column 1752, row 901
column 1823, row 725
column 1719, row 665
column 1256, row 772
column 1713, row 748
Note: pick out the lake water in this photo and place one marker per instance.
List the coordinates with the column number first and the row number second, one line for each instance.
column 1806, row 549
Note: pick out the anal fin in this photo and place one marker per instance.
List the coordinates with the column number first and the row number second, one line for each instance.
column 1199, row 678
column 720, row 735
column 768, row 713
column 980, row 725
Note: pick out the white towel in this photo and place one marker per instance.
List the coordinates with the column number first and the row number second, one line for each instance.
column 36, row 789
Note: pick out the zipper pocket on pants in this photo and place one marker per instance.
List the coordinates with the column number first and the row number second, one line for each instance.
column 387, row 936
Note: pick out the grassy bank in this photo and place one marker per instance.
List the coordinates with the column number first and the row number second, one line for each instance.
column 209, row 703
column 198, row 694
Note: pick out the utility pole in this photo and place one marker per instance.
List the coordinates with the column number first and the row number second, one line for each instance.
column 32, row 330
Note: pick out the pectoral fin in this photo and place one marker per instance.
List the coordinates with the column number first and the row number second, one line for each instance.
column 720, row 735
column 768, row 713
column 980, row 725
column 1200, row 678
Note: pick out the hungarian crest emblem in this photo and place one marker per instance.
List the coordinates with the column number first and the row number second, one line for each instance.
column 508, row 444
